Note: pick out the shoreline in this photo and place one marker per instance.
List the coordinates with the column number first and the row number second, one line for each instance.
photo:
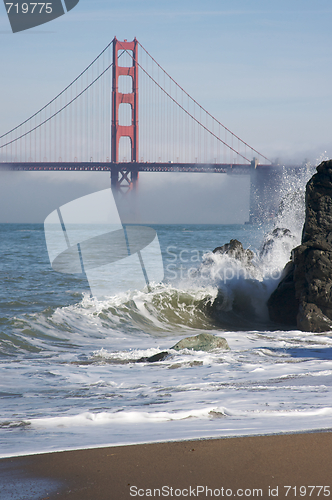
column 254, row 464
column 175, row 440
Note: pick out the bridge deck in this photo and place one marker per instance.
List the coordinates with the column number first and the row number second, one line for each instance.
column 223, row 168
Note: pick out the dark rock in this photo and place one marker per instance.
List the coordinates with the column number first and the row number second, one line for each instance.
column 160, row 356
column 235, row 249
column 308, row 282
column 233, row 306
column 311, row 319
column 283, row 305
column 201, row 342
column 235, row 311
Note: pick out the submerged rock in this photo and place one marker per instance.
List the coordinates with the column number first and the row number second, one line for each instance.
column 160, row 356
column 202, row 342
column 304, row 295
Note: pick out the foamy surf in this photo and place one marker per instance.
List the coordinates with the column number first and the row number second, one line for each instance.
column 74, row 370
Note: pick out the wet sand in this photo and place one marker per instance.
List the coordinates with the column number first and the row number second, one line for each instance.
column 248, row 467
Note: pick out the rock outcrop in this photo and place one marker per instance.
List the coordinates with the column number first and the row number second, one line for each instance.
column 233, row 307
column 303, row 297
column 279, row 236
column 235, row 249
column 283, row 305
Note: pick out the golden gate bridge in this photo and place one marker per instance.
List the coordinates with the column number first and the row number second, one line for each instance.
column 125, row 114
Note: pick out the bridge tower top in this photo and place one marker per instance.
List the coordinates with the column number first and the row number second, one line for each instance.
column 119, row 98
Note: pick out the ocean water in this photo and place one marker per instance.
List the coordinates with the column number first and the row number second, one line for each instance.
column 69, row 376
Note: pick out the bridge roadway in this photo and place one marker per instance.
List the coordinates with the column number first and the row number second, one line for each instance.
column 221, row 168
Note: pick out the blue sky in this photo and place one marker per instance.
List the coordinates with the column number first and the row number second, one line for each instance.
column 264, row 69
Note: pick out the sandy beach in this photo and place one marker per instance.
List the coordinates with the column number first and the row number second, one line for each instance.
column 280, row 466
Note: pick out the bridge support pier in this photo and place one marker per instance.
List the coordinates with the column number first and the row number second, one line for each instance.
column 265, row 191
column 124, row 183
column 124, row 180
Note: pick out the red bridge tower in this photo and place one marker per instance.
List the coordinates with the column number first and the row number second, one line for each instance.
column 124, row 178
